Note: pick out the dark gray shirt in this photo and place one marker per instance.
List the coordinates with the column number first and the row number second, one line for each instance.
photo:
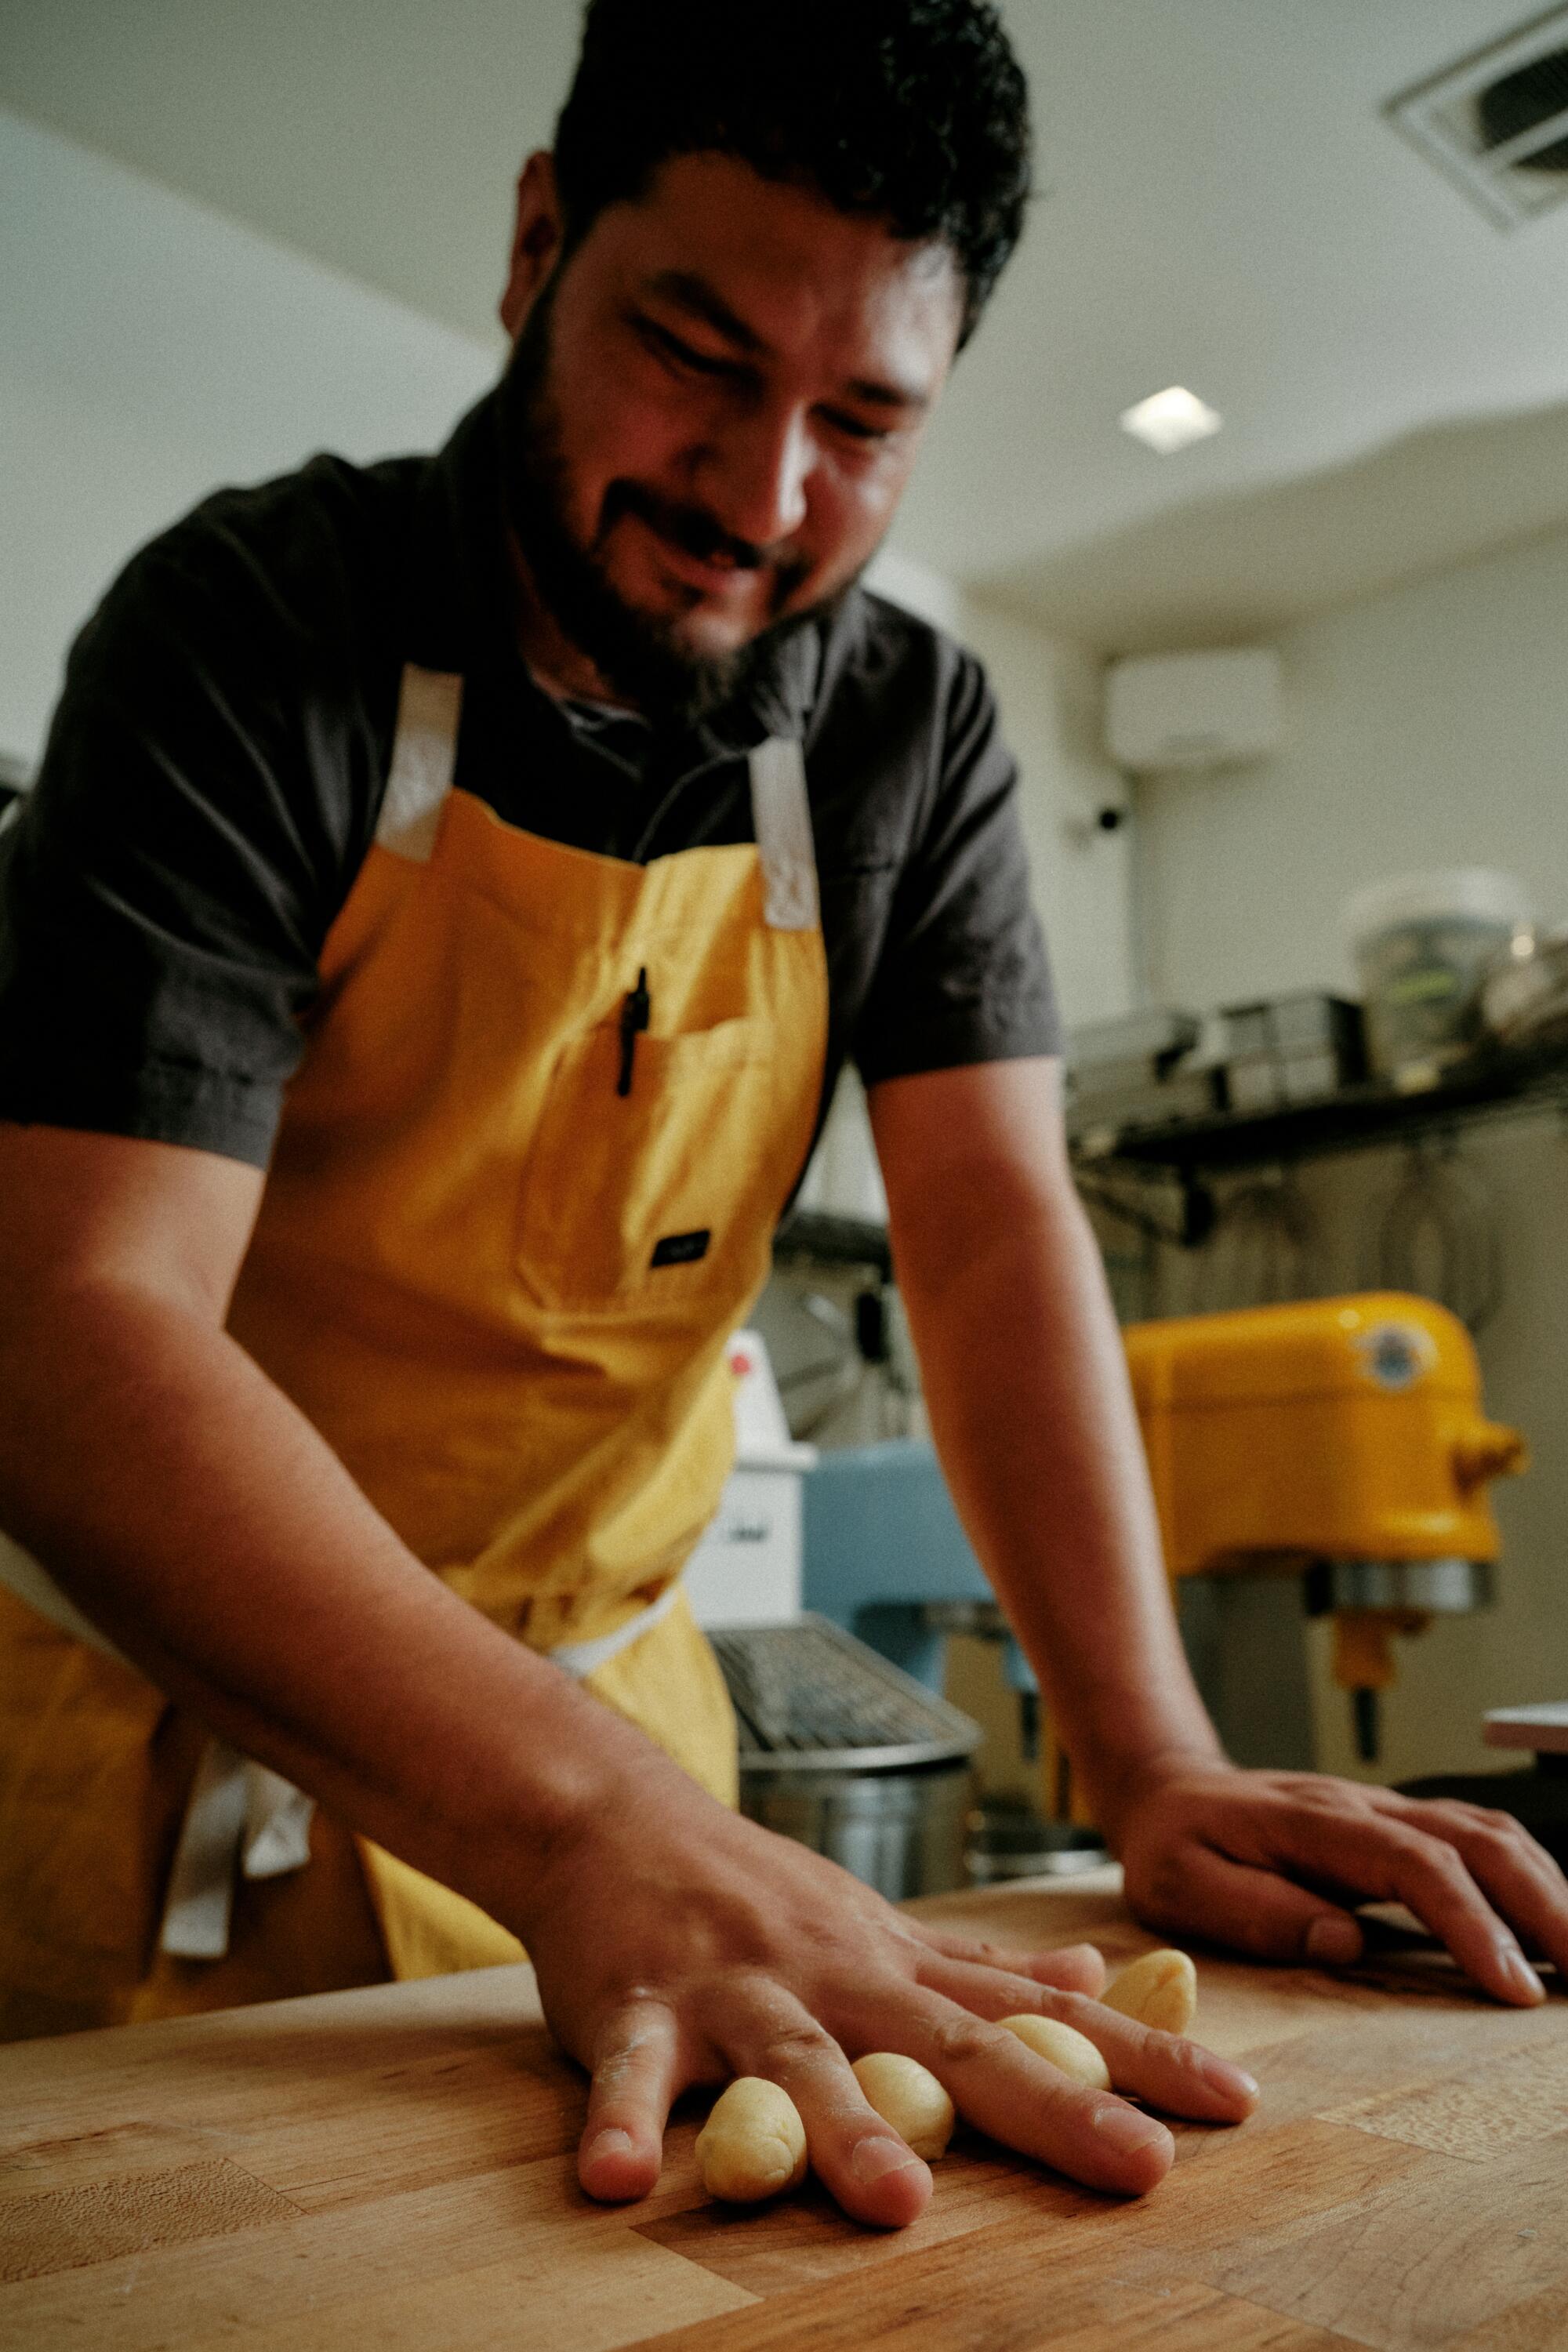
column 214, row 771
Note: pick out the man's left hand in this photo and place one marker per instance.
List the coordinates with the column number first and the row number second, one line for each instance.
column 1270, row 1863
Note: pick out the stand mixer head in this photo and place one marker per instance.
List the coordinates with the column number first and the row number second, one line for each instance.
column 1339, row 1439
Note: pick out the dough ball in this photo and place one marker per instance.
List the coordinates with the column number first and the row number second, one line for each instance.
column 907, row 2096
column 753, row 2143
column 1061, row 2045
column 1160, row 1989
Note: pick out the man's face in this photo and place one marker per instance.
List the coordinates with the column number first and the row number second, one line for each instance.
column 713, row 409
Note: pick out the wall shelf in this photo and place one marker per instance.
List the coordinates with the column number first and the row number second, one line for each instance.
column 1187, row 1154
column 1494, row 1085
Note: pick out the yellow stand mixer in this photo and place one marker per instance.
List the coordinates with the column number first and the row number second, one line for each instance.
column 1341, row 1439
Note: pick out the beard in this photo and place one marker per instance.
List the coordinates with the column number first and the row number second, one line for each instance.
column 640, row 656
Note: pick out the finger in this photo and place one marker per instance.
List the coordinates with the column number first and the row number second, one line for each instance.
column 860, row 2160
column 1387, row 1859
column 1254, row 1910
column 1073, row 1968
column 1020, row 2100
column 1167, row 2070
column 635, row 2080
column 1517, row 1877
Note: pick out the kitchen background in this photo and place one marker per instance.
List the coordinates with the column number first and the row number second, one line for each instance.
column 231, row 235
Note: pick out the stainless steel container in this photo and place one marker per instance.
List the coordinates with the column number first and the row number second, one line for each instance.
column 843, row 1751
column 902, row 1832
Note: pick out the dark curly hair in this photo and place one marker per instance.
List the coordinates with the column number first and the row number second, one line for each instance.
column 914, row 110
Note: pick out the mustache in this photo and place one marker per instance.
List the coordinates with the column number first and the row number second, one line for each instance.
column 691, row 528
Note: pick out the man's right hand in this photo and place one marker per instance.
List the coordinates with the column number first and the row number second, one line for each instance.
column 678, row 1945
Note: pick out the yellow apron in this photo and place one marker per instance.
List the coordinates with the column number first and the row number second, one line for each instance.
column 550, row 1108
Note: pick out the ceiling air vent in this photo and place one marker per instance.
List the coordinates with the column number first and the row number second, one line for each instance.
column 1497, row 122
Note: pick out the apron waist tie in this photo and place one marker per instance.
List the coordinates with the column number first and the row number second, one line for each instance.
column 239, row 1808
column 581, row 1658
column 235, row 1804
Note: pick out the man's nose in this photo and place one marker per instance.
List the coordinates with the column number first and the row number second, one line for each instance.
column 755, row 477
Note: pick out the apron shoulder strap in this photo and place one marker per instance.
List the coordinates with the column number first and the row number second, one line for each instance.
column 424, row 757
column 781, row 818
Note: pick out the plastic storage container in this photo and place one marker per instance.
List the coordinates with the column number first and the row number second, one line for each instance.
column 1291, row 1049
column 1422, row 944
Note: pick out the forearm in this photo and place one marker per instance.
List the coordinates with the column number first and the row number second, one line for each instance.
column 192, row 1513
column 1027, row 1385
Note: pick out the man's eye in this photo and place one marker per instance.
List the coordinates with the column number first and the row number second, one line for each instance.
column 671, row 347
column 856, row 428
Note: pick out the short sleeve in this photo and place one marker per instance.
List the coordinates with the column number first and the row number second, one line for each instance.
column 963, row 976
column 166, row 886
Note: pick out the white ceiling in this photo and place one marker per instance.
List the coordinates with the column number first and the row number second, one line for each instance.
column 1241, row 564
column 1222, row 206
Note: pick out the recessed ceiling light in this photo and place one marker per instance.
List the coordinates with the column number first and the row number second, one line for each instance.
column 1169, row 420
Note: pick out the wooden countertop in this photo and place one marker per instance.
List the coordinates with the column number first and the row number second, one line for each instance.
column 392, row 2167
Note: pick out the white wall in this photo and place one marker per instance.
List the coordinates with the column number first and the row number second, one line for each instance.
column 1050, row 695
column 149, row 351
column 1429, row 726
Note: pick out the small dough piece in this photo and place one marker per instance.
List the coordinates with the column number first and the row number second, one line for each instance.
column 752, row 2144
column 907, row 2095
column 1062, row 2045
column 1160, row 1989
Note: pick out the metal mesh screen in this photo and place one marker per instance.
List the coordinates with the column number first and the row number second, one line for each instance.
column 810, row 1697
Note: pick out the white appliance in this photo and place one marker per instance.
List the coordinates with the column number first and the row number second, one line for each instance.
column 1174, row 711
column 747, row 1569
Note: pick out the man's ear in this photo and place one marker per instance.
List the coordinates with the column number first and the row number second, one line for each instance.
column 536, row 240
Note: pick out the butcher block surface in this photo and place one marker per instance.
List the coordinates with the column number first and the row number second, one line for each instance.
column 394, row 2168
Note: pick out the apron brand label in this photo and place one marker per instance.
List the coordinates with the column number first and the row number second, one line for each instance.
column 681, row 1249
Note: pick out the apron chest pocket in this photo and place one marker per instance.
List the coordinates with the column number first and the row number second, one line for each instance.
column 641, row 1164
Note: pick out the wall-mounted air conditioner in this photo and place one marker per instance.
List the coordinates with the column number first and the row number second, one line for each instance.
column 1169, row 711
